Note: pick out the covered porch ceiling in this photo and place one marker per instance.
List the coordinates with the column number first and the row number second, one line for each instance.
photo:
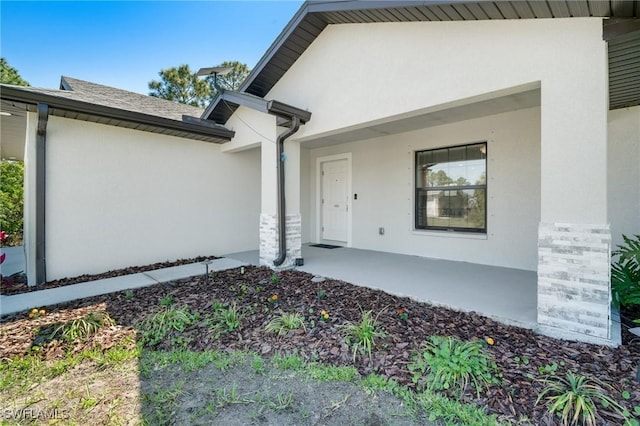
column 13, row 130
column 512, row 99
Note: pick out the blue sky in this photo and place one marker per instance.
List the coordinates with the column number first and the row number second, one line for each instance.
column 126, row 44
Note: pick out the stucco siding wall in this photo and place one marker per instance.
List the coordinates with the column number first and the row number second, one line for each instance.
column 119, row 197
column 383, row 178
column 356, row 75
column 306, row 195
column 624, row 173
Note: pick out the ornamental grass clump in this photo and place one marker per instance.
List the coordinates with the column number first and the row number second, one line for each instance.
column 451, row 365
column 84, row 327
column 156, row 328
column 226, row 318
column 284, row 322
column 361, row 337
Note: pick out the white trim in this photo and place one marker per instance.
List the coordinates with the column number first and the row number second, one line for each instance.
column 449, row 234
column 319, row 161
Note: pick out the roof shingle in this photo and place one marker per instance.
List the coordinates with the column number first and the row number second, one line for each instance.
column 122, row 99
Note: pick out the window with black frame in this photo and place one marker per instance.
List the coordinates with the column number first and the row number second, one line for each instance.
column 451, row 188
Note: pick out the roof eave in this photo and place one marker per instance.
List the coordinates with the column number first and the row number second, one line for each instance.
column 30, row 97
column 317, row 13
column 233, row 99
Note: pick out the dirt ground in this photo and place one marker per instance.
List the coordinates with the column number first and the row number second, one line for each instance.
column 241, row 396
column 171, row 395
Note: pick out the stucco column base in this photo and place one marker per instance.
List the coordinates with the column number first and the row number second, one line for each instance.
column 574, row 291
column 269, row 241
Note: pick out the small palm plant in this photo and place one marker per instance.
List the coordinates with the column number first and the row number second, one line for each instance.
column 362, row 336
column 575, row 397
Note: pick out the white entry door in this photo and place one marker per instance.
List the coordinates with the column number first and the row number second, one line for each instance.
column 335, row 200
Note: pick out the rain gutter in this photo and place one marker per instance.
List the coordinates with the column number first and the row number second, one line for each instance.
column 282, row 220
column 40, row 198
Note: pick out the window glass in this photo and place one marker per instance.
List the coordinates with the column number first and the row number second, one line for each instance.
column 451, row 188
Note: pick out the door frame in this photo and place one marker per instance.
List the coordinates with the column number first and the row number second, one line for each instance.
column 319, row 161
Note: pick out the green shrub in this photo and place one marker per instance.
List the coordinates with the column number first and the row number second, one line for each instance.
column 452, row 365
column 625, row 273
column 11, row 200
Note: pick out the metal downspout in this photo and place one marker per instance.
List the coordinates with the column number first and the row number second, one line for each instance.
column 282, row 220
column 41, row 138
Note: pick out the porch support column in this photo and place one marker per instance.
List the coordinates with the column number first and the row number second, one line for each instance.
column 292, row 194
column 269, row 241
column 574, row 238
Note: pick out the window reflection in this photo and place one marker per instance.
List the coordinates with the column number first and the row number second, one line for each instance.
column 451, row 188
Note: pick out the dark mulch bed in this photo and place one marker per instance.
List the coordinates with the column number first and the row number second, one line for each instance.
column 17, row 284
column 520, row 354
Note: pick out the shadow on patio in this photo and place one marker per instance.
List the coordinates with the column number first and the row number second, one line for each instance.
column 507, row 295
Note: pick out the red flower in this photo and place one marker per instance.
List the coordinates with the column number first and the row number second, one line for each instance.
column 3, row 236
column 2, row 257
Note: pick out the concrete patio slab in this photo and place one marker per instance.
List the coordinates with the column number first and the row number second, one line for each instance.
column 52, row 296
column 507, row 295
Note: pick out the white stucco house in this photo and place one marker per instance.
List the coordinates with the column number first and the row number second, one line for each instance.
column 498, row 133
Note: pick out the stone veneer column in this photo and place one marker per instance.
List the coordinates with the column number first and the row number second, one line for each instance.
column 269, row 241
column 574, row 291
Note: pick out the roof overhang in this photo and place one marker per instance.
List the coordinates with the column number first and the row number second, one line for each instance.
column 85, row 111
column 227, row 101
column 314, row 16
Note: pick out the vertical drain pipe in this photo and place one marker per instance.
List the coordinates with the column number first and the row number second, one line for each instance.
column 41, row 139
column 282, row 220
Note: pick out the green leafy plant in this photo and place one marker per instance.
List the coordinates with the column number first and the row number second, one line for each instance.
column 550, row 369
column 451, row 365
column 161, row 324
column 362, row 336
column 402, row 314
column 625, row 272
column 283, row 323
column 128, row 295
column 166, row 300
column 81, row 328
column 450, row 411
column 574, row 398
column 275, row 278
